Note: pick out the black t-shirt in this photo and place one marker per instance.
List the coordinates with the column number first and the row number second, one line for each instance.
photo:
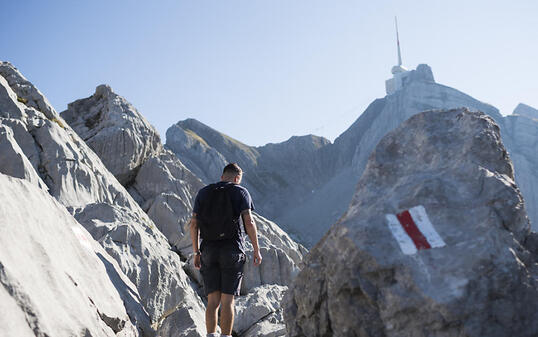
column 241, row 201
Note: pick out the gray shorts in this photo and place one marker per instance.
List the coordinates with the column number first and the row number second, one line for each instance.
column 222, row 268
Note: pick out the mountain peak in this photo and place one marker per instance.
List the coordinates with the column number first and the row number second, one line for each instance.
column 525, row 110
column 103, row 90
column 402, row 78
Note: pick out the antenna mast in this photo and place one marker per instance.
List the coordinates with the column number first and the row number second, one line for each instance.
column 398, row 42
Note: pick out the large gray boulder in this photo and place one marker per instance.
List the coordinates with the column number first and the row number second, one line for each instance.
column 56, row 280
column 433, row 243
column 110, row 125
column 259, row 313
column 76, row 177
column 282, row 257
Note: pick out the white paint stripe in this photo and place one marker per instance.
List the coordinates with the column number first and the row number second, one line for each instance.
column 424, row 224
column 406, row 244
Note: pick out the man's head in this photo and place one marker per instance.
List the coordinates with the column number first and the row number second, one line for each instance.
column 232, row 173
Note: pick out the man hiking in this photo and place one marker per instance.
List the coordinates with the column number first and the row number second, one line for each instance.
column 218, row 212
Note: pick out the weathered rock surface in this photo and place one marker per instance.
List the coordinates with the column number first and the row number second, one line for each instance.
column 163, row 286
column 166, row 189
column 202, row 159
column 14, row 162
column 55, row 279
column 110, row 125
column 184, row 321
column 282, row 257
column 482, row 281
column 25, row 92
column 77, row 178
column 259, row 313
column 154, row 177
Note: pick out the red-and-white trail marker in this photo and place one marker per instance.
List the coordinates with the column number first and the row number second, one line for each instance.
column 413, row 230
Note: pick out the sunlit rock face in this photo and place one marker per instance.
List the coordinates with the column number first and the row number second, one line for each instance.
column 115, row 131
column 259, row 314
column 165, row 189
column 76, row 177
column 306, row 183
column 460, row 266
column 56, row 280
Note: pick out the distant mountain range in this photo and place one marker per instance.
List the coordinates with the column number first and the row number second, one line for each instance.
column 306, row 182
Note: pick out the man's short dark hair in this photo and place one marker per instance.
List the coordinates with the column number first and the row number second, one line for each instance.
column 232, row 169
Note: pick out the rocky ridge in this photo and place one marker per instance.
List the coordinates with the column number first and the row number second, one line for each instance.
column 526, row 110
column 165, row 189
column 110, row 125
column 78, row 180
column 471, row 271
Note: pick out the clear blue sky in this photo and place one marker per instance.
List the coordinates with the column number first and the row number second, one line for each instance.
column 262, row 71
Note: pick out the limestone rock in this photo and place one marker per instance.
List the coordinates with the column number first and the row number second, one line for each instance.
column 14, row 162
column 110, row 125
column 166, row 189
column 203, row 160
column 56, row 280
column 260, row 312
column 185, row 321
column 366, row 276
column 77, row 178
column 269, row 327
column 142, row 252
column 154, row 177
column 282, row 257
column 25, row 92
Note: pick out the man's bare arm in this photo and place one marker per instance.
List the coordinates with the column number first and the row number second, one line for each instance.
column 195, row 237
column 252, row 232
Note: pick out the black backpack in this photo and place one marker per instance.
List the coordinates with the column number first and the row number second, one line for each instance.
column 216, row 219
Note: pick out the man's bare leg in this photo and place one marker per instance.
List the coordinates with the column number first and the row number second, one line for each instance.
column 213, row 302
column 227, row 314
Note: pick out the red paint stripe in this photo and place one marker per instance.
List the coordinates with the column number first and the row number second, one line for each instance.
column 408, row 224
